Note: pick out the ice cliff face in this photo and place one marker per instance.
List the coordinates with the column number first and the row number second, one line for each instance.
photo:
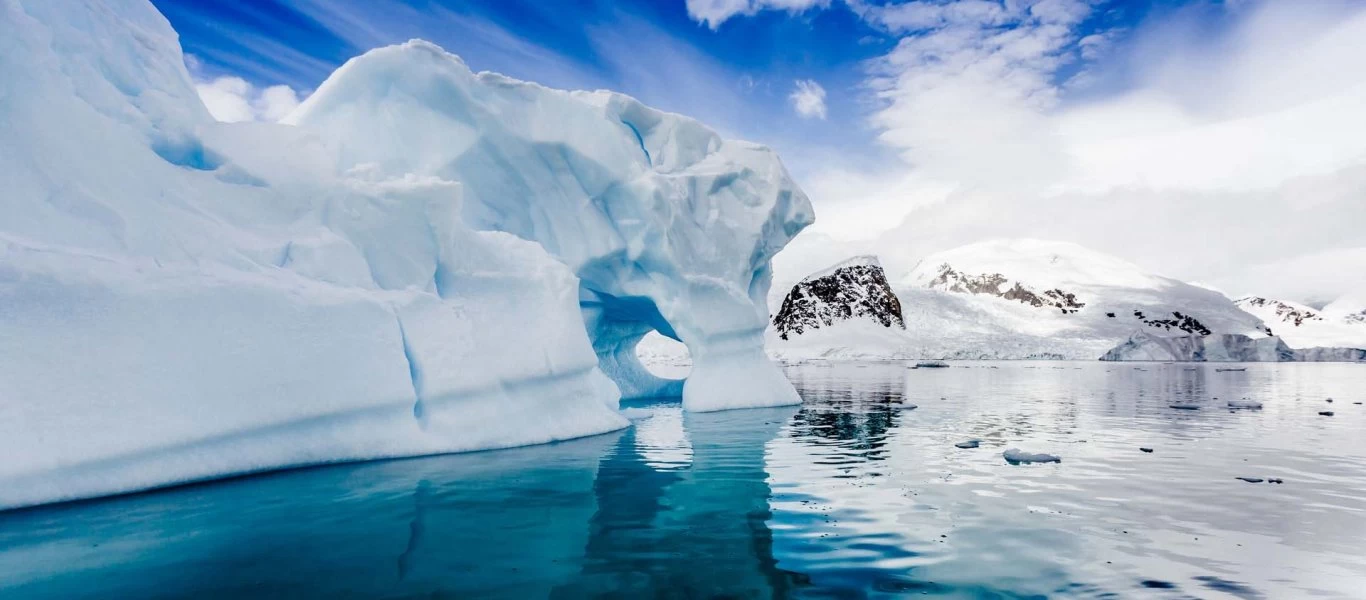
column 1144, row 346
column 183, row 299
column 854, row 289
column 1323, row 354
column 668, row 226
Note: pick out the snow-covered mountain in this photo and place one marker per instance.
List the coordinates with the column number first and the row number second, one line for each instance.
column 1027, row 299
column 854, row 289
column 1341, row 323
column 427, row 260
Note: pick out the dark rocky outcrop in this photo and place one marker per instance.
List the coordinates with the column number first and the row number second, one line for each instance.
column 1285, row 312
column 1182, row 322
column 951, row 280
column 856, row 288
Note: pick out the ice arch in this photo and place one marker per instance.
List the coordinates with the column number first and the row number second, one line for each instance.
column 668, row 226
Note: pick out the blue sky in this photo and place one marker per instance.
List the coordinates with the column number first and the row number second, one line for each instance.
column 737, row 76
column 1130, row 126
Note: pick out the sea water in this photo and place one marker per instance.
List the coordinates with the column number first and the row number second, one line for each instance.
column 860, row 492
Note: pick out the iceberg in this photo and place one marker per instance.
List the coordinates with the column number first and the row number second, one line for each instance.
column 668, row 227
column 427, row 260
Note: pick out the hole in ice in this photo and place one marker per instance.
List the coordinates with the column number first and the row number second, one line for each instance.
column 664, row 356
column 187, row 152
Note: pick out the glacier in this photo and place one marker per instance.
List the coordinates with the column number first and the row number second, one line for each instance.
column 423, row 260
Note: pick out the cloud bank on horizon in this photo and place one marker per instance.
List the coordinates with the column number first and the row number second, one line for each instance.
column 1211, row 141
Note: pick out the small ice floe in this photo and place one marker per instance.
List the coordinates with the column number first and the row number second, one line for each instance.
column 1250, row 479
column 1275, row 480
column 635, row 414
column 1148, row 450
column 1015, row 456
column 1325, row 413
column 909, row 406
column 1184, row 406
column 968, row 444
column 931, row 364
column 1245, row 404
column 1330, row 400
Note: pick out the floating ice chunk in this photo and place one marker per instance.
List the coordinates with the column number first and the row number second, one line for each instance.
column 1015, row 456
column 1184, row 406
column 968, row 444
column 1245, row 404
column 1148, row 450
column 1251, row 479
column 1325, row 413
column 636, row 414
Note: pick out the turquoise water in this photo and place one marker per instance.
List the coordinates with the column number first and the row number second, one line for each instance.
column 851, row 495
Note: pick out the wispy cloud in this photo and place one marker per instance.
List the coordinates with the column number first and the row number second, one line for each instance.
column 715, row 12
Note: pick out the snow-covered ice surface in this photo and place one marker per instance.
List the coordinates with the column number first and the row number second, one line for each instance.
column 184, row 299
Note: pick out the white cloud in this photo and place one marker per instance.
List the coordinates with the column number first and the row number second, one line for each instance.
column 715, row 12
column 233, row 99
column 808, row 99
column 1234, row 158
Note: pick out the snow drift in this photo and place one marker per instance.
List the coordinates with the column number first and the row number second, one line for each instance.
column 183, row 299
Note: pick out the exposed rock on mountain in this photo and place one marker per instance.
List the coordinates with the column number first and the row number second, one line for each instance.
column 1339, row 324
column 1026, row 298
column 856, row 288
column 1277, row 311
column 992, row 284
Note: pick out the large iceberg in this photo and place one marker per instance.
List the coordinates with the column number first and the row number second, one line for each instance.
column 429, row 261
column 669, row 227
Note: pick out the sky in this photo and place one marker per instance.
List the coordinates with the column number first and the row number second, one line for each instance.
column 1222, row 142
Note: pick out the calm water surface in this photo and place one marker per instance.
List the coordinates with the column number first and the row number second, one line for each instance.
column 851, row 495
